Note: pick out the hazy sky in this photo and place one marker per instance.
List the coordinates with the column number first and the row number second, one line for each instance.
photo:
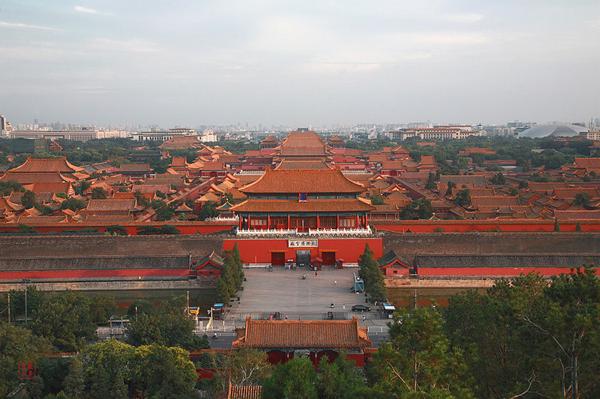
column 299, row 62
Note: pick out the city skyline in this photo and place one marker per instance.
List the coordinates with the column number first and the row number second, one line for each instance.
column 294, row 64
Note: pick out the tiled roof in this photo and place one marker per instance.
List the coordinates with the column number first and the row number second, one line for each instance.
column 135, row 167
column 303, row 181
column 494, row 200
column 475, row 180
column 303, row 143
column 62, row 187
column 111, row 204
column 302, row 164
column 313, row 205
column 59, row 164
column 301, row 334
column 244, row 392
column 34, row 177
column 576, row 214
column 587, row 163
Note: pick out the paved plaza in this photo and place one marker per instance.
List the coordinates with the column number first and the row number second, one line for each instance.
column 285, row 291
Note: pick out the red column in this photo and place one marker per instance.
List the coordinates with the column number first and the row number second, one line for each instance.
column 289, row 222
column 268, row 221
column 249, row 227
column 240, row 221
column 357, row 221
column 318, row 221
column 337, row 221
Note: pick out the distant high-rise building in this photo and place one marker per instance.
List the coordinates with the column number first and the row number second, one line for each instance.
column 5, row 126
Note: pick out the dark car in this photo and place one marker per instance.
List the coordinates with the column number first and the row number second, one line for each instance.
column 360, row 308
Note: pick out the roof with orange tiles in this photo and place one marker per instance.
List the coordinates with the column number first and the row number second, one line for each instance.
column 300, row 143
column 303, row 181
column 427, row 160
column 475, row 180
column 587, row 163
column 124, row 195
column 179, row 162
column 181, row 143
column 43, row 219
column 111, row 204
column 135, row 167
column 5, row 203
column 571, row 193
column 244, row 392
column 494, row 200
column 577, row 214
column 301, row 334
column 58, row 164
column 312, row 164
column 34, row 177
column 312, row 205
column 62, row 187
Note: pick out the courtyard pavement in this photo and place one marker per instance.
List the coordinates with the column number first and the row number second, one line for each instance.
column 285, row 291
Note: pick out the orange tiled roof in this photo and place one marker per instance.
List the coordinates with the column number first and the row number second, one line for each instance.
column 34, row 177
column 287, row 164
column 303, row 143
column 587, row 163
column 303, row 181
column 111, row 204
column 313, row 205
column 244, row 392
column 59, row 164
column 300, row 334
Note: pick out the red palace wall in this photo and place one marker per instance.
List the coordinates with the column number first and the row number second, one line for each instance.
column 465, row 226
column 492, row 271
column 91, row 274
column 260, row 250
column 132, row 228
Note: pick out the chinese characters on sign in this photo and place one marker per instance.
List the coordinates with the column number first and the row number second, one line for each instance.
column 302, row 243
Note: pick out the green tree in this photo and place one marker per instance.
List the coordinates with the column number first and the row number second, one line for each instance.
column 107, row 369
column 28, row 199
column 164, row 213
column 99, row 193
column 7, row 187
column 582, row 199
column 223, row 290
column 295, row 379
column 339, row 379
column 163, row 372
column 73, row 204
column 463, row 198
column 65, row 319
column 377, row 200
column 74, row 383
column 498, row 179
column 372, row 275
column 242, row 367
column 209, row 210
column 17, row 346
column 430, row 185
column 417, row 209
column 101, row 308
column 450, row 188
column 82, row 187
column 166, row 325
column 418, row 361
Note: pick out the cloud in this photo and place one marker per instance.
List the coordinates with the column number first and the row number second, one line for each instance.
column 131, row 45
column 464, row 18
column 19, row 25
column 85, row 10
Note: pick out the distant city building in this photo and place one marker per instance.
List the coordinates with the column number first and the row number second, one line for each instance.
column 209, row 136
column 444, row 132
column 83, row 134
column 593, row 135
column 5, row 127
column 163, row 135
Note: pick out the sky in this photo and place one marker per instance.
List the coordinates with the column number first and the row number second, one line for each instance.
column 299, row 63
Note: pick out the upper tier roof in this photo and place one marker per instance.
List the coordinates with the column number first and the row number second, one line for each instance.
column 59, row 164
column 302, row 181
column 303, row 144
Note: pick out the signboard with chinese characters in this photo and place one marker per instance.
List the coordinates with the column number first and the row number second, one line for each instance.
column 303, row 243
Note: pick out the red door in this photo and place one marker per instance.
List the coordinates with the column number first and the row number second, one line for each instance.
column 277, row 258
column 328, row 258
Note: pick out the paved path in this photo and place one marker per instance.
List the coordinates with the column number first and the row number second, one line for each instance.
column 286, row 292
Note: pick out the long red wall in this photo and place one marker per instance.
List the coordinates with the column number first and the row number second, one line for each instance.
column 499, row 225
column 400, row 226
column 91, row 273
column 348, row 249
column 132, row 228
column 491, row 271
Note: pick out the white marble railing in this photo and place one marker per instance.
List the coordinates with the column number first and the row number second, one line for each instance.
column 311, row 232
column 223, row 219
column 341, row 232
column 268, row 232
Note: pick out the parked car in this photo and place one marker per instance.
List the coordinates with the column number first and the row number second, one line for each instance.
column 361, row 308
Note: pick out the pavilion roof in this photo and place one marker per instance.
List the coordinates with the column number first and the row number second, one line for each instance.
column 313, row 164
column 303, row 181
column 313, row 205
column 34, row 177
column 299, row 334
column 58, row 164
column 111, row 204
column 303, row 143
